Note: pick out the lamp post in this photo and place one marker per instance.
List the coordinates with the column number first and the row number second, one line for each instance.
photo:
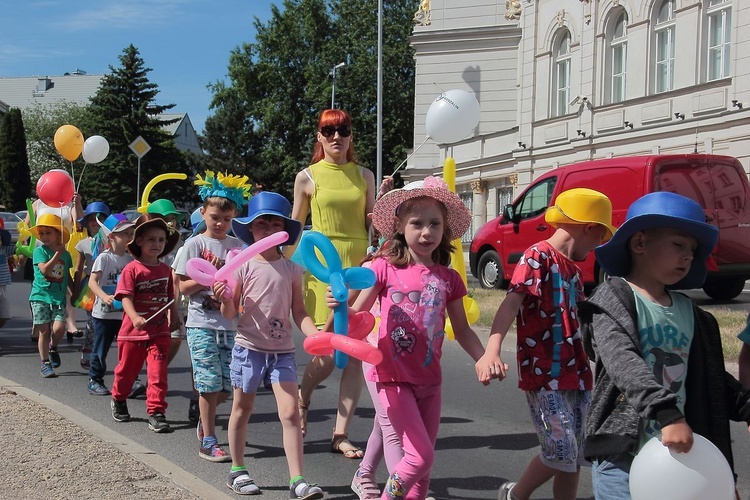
column 333, row 85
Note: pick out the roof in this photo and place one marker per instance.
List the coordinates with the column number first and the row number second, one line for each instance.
column 172, row 127
column 24, row 92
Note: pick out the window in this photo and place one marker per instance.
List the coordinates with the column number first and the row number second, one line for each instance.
column 561, row 86
column 664, row 46
column 504, row 197
column 468, row 201
column 617, row 40
column 536, row 200
column 719, row 38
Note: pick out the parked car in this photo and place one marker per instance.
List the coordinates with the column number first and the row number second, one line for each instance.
column 718, row 183
column 11, row 221
column 22, row 214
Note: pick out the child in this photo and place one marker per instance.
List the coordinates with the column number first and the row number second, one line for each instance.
column 659, row 361
column 210, row 335
column 147, row 294
column 7, row 249
column 416, row 289
column 553, row 369
column 95, row 213
column 107, row 318
column 52, row 281
column 269, row 289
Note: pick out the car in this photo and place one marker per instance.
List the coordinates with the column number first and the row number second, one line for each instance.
column 22, row 214
column 11, row 221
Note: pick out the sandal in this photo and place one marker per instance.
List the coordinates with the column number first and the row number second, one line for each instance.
column 241, row 483
column 341, row 444
column 303, row 407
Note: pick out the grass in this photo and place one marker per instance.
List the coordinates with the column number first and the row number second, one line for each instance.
column 731, row 322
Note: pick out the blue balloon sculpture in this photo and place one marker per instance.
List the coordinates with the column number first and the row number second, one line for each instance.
column 341, row 280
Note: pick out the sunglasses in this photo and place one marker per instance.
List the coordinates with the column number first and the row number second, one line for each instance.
column 328, row 131
column 413, row 296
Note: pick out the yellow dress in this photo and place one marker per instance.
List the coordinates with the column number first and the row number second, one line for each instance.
column 338, row 205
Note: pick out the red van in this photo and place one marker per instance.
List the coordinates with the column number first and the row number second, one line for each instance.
column 718, row 183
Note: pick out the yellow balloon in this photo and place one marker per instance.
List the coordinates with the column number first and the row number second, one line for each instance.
column 153, row 182
column 69, row 142
column 449, row 173
column 472, row 310
column 75, row 237
column 23, row 231
column 449, row 329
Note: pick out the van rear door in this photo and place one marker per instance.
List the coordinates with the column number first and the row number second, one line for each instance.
column 732, row 210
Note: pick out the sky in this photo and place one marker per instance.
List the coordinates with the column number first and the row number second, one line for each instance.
column 186, row 43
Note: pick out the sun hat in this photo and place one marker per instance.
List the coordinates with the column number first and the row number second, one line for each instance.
column 53, row 221
column 386, row 208
column 267, row 203
column 172, row 236
column 661, row 210
column 115, row 223
column 95, row 207
column 196, row 221
column 581, row 206
column 164, row 207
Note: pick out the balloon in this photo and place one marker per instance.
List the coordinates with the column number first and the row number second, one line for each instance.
column 55, row 188
column 95, row 149
column 357, row 348
column 703, row 472
column 357, row 278
column 70, row 246
column 318, row 344
column 361, row 324
column 69, row 142
column 325, row 343
column 153, row 182
column 201, row 271
column 452, row 116
column 24, row 233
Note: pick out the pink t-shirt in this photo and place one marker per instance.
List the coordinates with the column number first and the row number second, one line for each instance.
column 151, row 289
column 412, row 320
column 265, row 304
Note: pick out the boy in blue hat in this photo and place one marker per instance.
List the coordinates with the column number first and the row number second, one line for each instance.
column 659, row 361
column 210, row 335
column 268, row 292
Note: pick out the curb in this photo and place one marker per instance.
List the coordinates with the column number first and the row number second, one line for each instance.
column 182, row 478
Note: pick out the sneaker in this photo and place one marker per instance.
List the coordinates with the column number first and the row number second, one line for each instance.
column 97, row 388
column 365, row 487
column 214, row 453
column 139, row 389
column 158, row 423
column 86, row 363
column 54, row 357
column 240, row 482
column 47, row 370
column 504, row 492
column 120, row 410
column 302, row 490
column 194, row 412
column 199, row 431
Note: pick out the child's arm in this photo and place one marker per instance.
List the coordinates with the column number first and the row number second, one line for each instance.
column 189, row 286
column 78, row 275
column 47, row 267
column 175, row 322
column 465, row 335
column 229, row 306
column 127, row 305
column 97, row 290
column 491, row 365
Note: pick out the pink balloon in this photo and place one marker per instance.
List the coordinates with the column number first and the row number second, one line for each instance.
column 200, row 270
column 55, row 188
column 274, row 240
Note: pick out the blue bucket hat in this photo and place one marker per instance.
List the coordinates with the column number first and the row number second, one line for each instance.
column 662, row 210
column 197, row 223
column 267, row 203
column 96, row 207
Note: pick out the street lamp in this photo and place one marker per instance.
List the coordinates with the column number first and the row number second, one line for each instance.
column 333, row 85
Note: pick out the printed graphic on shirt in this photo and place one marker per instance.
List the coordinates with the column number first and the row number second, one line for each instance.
column 150, row 297
column 210, row 303
column 276, row 329
column 56, row 275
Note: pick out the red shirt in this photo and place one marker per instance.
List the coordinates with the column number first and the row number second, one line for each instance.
column 550, row 351
column 151, row 289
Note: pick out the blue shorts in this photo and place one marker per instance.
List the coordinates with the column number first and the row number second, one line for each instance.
column 44, row 313
column 211, row 354
column 251, row 368
column 560, row 421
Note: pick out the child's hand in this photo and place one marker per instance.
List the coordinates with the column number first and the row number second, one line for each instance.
column 60, row 248
column 175, row 325
column 139, row 323
column 216, row 262
column 110, row 300
column 677, row 436
column 330, row 301
column 490, row 366
column 220, row 290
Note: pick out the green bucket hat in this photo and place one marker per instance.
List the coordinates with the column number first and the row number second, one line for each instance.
column 164, row 207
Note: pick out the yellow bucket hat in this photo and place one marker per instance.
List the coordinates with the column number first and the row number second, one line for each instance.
column 53, row 221
column 581, row 206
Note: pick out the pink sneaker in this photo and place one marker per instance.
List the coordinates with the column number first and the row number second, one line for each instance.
column 214, row 453
column 365, row 487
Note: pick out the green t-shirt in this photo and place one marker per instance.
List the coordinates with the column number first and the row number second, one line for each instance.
column 50, row 289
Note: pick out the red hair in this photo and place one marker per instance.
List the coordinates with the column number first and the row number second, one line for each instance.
column 334, row 118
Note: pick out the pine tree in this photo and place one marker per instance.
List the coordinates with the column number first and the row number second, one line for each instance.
column 15, row 181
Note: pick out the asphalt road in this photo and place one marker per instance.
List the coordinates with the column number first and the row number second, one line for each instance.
column 485, row 434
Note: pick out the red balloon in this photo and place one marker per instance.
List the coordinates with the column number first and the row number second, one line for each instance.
column 55, row 188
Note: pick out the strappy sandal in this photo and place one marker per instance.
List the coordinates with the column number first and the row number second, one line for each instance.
column 341, row 444
column 241, row 483
column 303, row 407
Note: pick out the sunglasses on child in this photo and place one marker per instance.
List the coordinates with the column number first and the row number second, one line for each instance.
column 328, row 131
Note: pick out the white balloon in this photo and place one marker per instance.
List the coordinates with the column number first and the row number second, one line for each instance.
column 701, row 473
column 95, row 149
column 452, row 116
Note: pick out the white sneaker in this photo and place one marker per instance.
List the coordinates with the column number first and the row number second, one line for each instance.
column 504, row 492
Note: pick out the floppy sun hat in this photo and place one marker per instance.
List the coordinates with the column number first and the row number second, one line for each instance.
column 196, row 222
column 581, row 206
column 53, row 221
column 661, row 210
column 164, row 207
column 95, row 207
column 172, row 236
column 267, row 203
column 386, row 208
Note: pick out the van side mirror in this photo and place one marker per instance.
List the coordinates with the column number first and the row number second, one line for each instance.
column 509, row 214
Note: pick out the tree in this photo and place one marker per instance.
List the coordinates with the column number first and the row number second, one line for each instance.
column 265, row 117
column 15, row 181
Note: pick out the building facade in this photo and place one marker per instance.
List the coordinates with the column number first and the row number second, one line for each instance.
column 570, row 80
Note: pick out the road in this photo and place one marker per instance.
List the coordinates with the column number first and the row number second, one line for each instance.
column 485, row 434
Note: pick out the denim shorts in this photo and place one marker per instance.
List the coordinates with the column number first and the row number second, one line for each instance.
column 44, row 313
column 560, row 420
column 611, row 477
column 211, row 354
column 251, row 368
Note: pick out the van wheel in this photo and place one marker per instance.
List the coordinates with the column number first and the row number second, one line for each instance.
column 724, row 289
column 490, row 270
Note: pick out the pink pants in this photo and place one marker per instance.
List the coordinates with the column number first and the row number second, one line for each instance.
column 383, row 441
column 414, row 412
column 131, row 355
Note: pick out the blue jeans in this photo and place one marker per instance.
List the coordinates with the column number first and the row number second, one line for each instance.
column 611, row 477
column 104, row 333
